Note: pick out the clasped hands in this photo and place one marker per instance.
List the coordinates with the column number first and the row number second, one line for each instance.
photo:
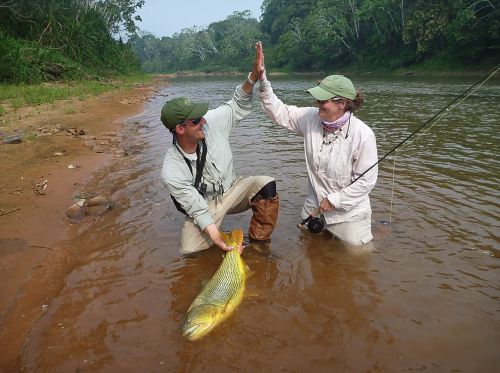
column 258, row 71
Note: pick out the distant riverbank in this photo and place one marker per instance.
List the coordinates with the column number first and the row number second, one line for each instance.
column 416, row 71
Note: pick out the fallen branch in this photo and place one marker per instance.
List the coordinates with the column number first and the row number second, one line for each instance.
column 8, row 212
column 42, row 247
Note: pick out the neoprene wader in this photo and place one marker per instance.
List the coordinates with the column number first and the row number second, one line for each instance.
column 265, row 215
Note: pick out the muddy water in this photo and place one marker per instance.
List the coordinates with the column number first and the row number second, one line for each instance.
column 427, row 299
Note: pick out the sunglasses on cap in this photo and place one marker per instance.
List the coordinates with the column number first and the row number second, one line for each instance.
column 322, row 102
column 195, row 121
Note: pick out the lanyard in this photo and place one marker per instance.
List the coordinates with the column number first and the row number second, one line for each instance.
column 200, row 165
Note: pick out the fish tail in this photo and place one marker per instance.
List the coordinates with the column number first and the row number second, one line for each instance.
column 225, row 237
column 234, row 238
column 237, row 235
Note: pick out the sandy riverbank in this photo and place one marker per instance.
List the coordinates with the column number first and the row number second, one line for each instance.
column 32, row 266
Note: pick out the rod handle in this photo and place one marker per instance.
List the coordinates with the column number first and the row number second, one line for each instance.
column 306, row 220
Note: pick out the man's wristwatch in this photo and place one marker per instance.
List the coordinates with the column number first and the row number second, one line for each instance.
column 250, row 80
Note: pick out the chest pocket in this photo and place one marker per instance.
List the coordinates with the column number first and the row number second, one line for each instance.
column 339, row 168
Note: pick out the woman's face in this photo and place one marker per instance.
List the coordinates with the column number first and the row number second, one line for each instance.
column 332, row 109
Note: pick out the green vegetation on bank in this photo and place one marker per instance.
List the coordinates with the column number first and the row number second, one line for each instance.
column 330, row 35
column 47, row 40
column 16, row 96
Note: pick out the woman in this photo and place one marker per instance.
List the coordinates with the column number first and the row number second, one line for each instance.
column 339, row 148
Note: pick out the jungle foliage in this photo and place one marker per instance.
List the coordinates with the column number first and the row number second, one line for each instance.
column 224, row 45
column 314, row 35
column 43, row 40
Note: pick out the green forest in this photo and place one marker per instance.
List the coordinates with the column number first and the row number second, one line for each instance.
column 327, row 35
column 44, row 40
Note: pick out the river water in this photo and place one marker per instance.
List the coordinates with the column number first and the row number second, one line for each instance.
column 426, row 299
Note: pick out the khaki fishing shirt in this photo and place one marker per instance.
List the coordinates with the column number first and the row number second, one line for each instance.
column 218, row 173
column 332, row 163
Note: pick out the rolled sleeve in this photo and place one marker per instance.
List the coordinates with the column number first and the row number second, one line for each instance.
column 204, row 220
column 334, row 199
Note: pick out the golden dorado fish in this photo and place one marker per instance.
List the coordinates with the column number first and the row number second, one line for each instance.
column 221, row 295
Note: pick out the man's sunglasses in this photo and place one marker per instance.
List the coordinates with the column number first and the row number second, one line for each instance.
column 195, row 121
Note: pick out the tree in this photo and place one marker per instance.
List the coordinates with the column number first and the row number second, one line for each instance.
column 67, row 34
column 336, row 32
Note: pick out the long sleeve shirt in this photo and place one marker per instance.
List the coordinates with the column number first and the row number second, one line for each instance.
column 218, row 173
column 332, row 163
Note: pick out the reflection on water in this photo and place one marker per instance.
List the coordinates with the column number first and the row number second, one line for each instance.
column 426, row 299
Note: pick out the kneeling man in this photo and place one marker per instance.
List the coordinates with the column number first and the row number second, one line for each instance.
column 198, row 170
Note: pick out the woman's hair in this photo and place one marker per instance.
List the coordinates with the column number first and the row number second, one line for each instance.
column 353, row 105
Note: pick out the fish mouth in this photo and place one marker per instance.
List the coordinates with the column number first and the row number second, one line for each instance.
column 196, row 331
column 190, row 330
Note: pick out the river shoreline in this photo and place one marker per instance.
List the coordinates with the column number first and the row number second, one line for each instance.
column 407, row 72
column 32, row 224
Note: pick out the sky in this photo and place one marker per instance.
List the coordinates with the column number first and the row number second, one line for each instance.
column 166, row 17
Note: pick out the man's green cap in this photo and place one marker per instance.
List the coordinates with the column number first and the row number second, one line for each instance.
column 180, row 108
column 333, row 86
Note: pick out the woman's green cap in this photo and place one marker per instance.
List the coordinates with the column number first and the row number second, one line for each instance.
column 180, row 108
column 333, row 86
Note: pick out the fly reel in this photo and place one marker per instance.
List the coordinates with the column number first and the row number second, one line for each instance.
column 314, row 225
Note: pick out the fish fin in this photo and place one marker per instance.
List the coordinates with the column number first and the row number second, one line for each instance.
column 227, row 304
column 250, row 294
column 237, row 236
column 248, row 274
column 248, row 271
column 204, row 281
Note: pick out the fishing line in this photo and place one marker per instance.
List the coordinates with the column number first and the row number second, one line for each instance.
column 450, row 107
column 457, row 101
column 447, row 108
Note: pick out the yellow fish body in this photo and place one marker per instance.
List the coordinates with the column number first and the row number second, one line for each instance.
column 221, row 295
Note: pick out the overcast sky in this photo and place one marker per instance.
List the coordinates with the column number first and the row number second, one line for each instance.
column 166, row 17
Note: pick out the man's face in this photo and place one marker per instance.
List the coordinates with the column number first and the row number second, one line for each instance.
column 192, row 130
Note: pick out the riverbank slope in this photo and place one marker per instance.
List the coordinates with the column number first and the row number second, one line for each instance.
column 61, row 146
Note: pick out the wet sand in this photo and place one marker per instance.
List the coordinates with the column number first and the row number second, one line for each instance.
column 32, row 268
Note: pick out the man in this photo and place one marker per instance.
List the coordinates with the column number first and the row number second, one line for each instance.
column 198, row 169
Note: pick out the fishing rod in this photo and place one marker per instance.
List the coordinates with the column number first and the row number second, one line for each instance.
column 447, row 108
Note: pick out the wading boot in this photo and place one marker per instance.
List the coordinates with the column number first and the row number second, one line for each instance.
column 265, row 214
